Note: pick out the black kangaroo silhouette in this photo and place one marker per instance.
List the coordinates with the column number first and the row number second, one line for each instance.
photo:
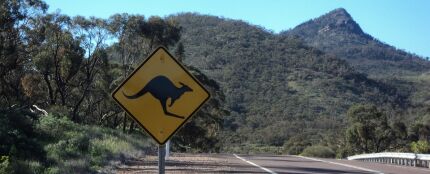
column 162, row 89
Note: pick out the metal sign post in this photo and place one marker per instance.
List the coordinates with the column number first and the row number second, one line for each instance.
column 161, row 158
column 167, row 149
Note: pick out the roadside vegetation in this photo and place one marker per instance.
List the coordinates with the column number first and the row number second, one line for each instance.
column 270, row 93
column 57, row 73
column 55, row 144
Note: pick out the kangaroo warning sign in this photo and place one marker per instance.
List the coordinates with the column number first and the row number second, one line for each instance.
column 161, row 95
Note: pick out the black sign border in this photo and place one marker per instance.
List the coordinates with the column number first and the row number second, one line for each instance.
column 183, row 68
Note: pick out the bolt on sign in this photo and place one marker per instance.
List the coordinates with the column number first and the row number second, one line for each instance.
column 161, row 95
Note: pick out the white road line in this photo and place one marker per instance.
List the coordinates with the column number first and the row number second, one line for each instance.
column 346, row 165
column 256, row 165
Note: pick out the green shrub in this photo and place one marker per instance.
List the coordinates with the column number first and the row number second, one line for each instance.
column 420, row 146
column 8, row 165
column 57, row 151
column 52, row 170
column 342, row 152
column 295, row 145
column 295, row 150
column 55, row 127
column 78, row 141
column 74, row 148
column 318, row 151
column 19, row 136
column 99, row 155
column 5, row 166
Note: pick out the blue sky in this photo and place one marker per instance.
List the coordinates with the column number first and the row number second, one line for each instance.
column 403, row 24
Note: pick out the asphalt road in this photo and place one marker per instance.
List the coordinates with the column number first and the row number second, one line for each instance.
column 302, row 165
column 226, row 163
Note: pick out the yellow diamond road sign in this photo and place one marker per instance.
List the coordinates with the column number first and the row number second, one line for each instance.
column 161, row 95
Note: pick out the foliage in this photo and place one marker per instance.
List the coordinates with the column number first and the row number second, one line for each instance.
column 254, row 149
column 318, row 151
column 296, row 145
column 72, row 147
column 369, row 131
column 5, row 165
column 19, row 134
column 420, row 146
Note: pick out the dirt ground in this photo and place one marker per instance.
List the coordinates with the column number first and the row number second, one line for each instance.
column 186, row 163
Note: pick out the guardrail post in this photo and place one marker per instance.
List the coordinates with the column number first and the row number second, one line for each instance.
column 404, row 159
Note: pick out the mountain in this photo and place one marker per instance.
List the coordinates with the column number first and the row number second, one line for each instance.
column 337, row 33
column 275, row 84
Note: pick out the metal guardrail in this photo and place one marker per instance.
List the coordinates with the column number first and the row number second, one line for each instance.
column 407, row 159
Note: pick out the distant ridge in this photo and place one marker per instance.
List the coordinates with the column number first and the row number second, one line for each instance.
column 336, row 32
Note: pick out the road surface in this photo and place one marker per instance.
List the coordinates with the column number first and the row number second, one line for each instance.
column 226, row 163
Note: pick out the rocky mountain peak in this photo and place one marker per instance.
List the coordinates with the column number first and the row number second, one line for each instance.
column 338, row 20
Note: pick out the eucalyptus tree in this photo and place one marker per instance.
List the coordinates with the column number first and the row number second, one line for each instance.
column 92, row 35
column 57, row 56
column 368, row 129
column 14, row 58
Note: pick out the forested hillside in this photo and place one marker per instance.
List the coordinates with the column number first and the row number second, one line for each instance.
column 276, row 85
column 336, row 32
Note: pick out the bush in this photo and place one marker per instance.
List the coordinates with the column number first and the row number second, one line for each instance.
column 18, row 136
column 342, row 153
column 5, row 166
column 62, row 150
column 295, row 150
column 420, row 146
column 295, row 145
column 8, row 165
column 55, row 127
column 318, row 151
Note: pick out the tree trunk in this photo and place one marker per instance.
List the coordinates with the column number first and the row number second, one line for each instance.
column 50, row 90
column 124, row 124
